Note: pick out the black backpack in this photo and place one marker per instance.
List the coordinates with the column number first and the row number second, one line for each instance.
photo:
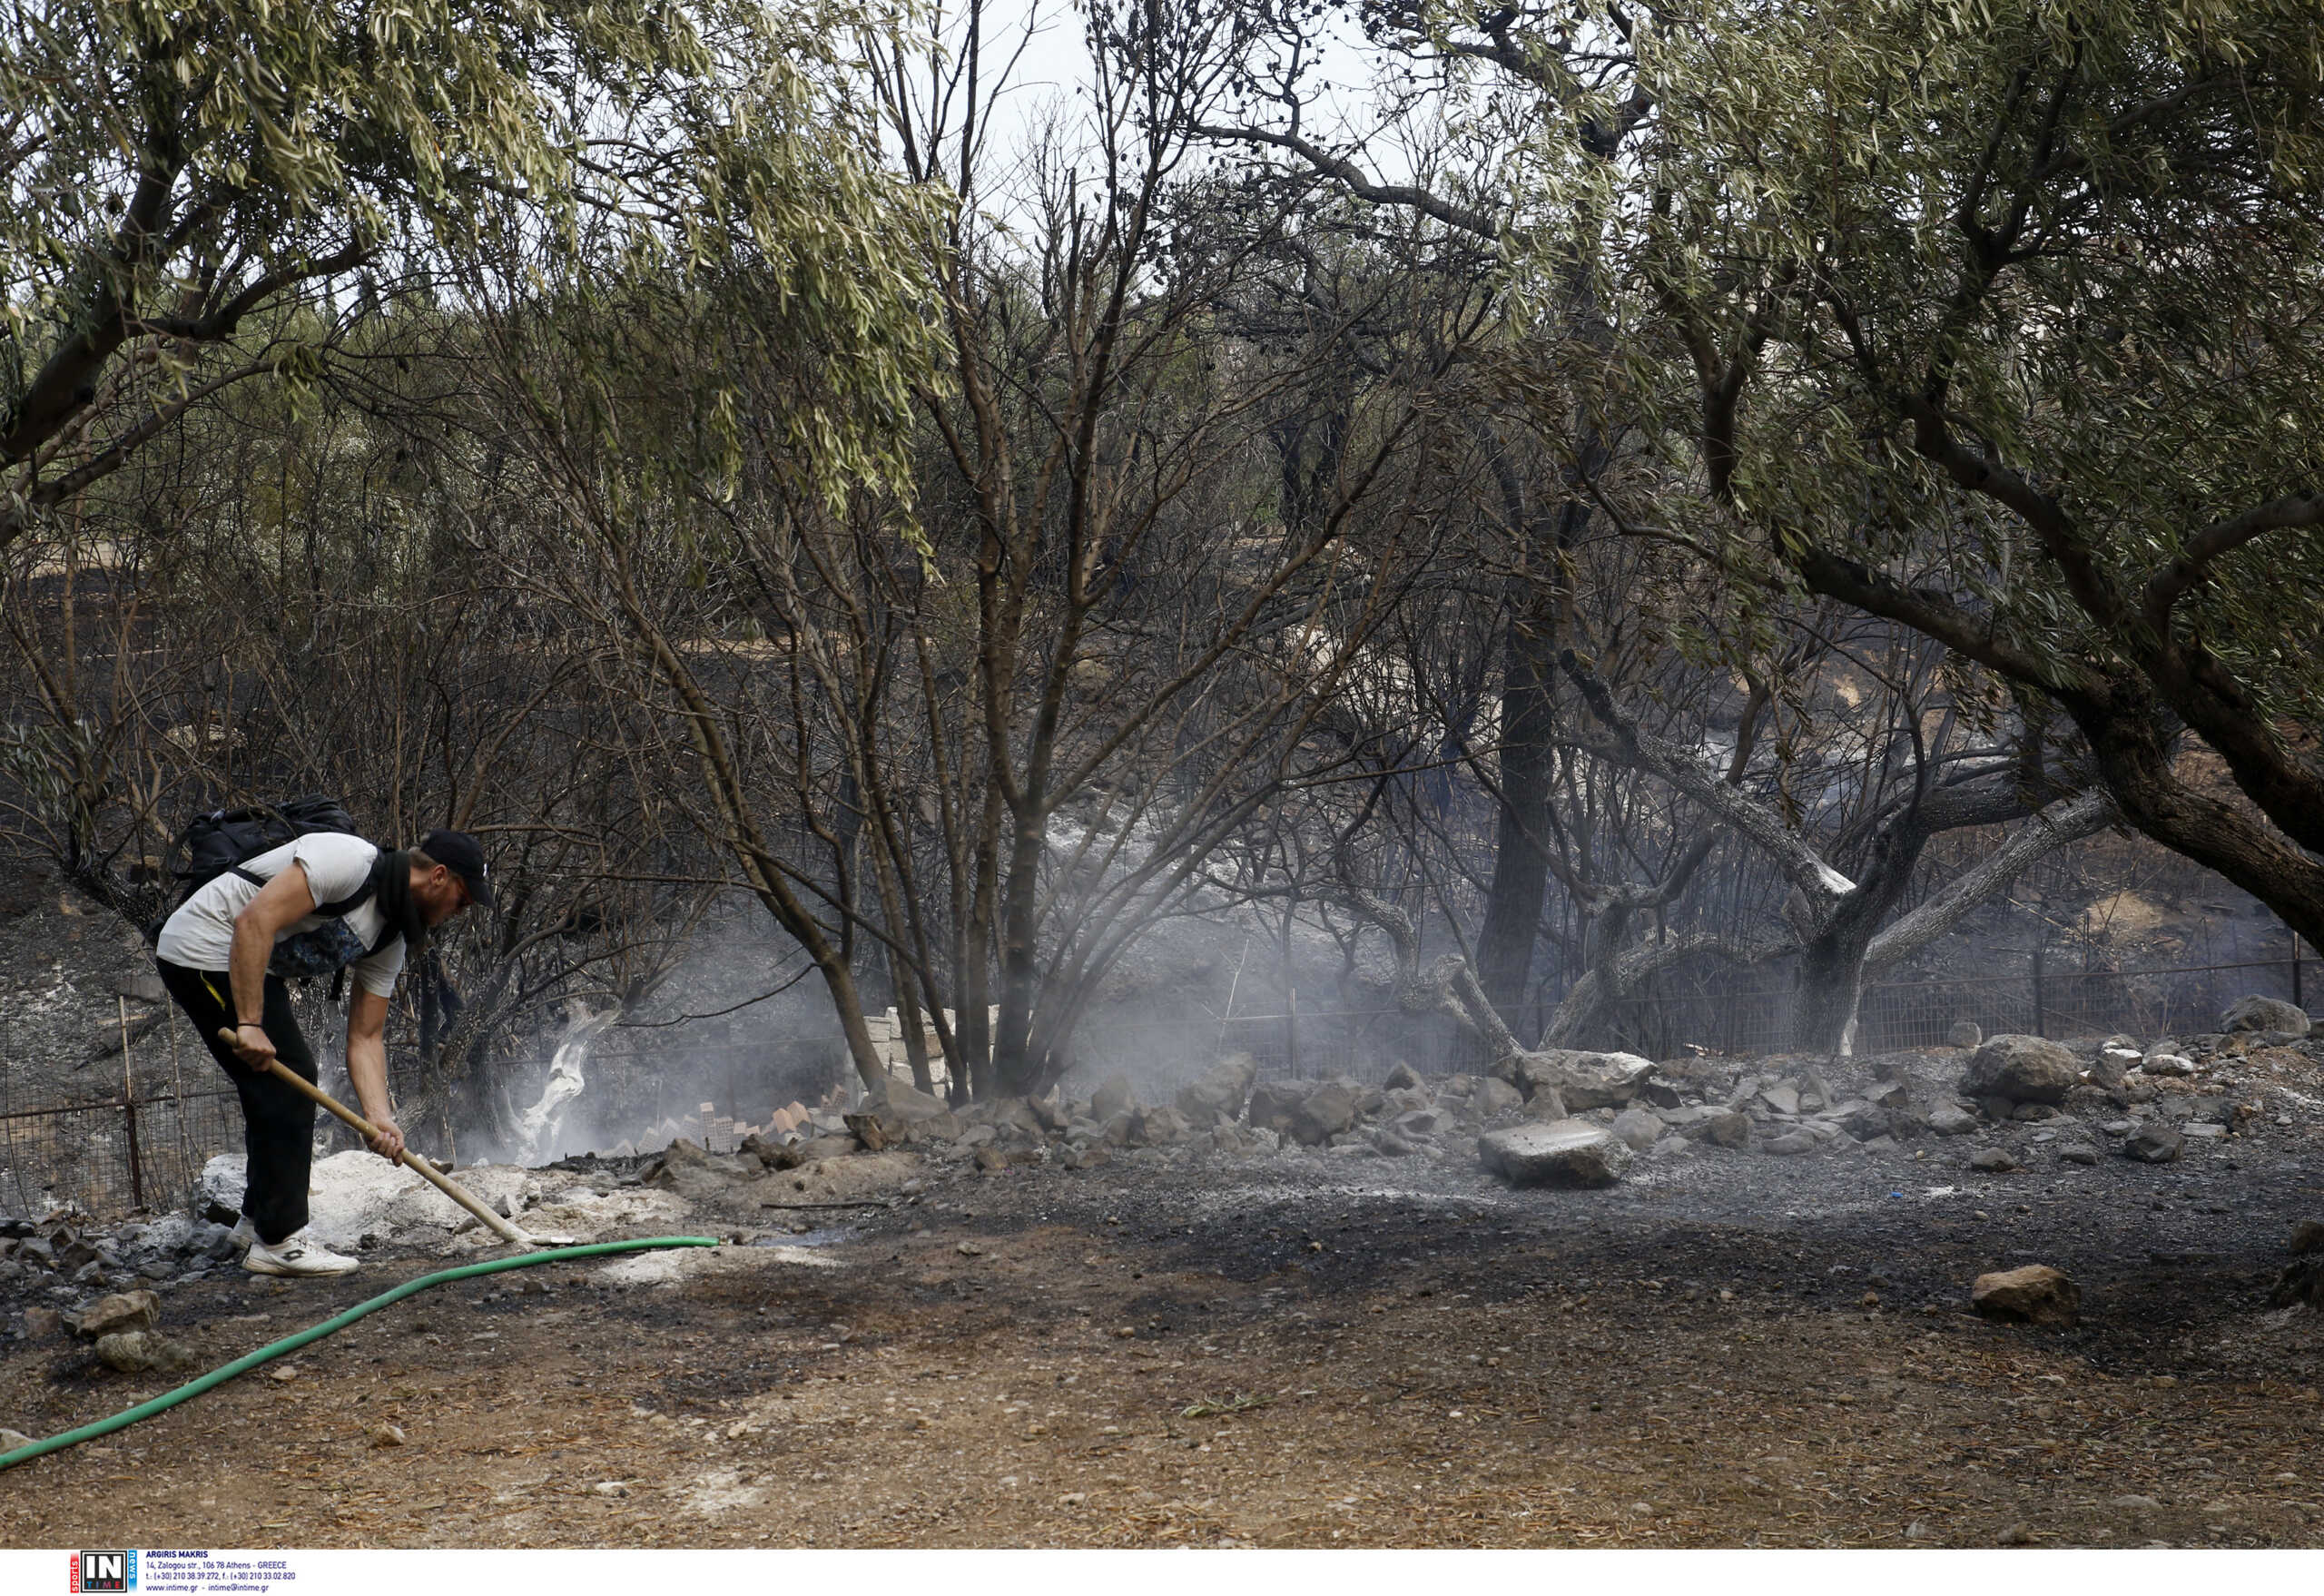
column 226, row 839
column 216, row 842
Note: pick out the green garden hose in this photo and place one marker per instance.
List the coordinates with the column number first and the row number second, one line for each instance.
column 251, row 1360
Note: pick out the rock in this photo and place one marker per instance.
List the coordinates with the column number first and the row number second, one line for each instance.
column 2023, row 1068
column 135, row 1310
column 1993, row 1160
column 2306, row 1237
column 1964, row 1034
column 1273, row 1102
column 2154, row 1144
column 12, row 1439
column 1221, row 1092
column 2203, row 1131
column 907, row 1114
column 386, row 1436
column 1949, row 1119
column 42, row 1324
column 1324, row 1113
column 2034, row 1295
column 1088, row 1157
column 2168, row 1064
column 1562, row 1152
column 1661, row 1093
column 1389, row 1145
column 1114, row 1096
column 2119, row 1127
column 1816, row 1094
column 2135, row 1503
column 827, row 1147
column 2108, row 1070
column 1783, row 1098
column 1602, row 1080
column 1640, row 1129
column 1405, row 1078
column 137, row 1351
column 1730, row 1128
column 1420, row 1123
column 2078, row 1152
column 1157, row 1127
column 2033, row 1113
column 2301, row 1281
column 2258, row 1013
column 1549, row 1103
column 1861, row 1119
column 1495, row 1097
column 218, row 1194
column 1801, row 1140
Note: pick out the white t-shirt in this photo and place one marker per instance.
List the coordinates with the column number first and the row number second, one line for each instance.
column 201, row 935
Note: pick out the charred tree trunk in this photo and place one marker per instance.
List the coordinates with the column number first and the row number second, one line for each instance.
column 1520, row 864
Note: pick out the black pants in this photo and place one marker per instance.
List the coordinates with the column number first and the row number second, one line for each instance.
column 278, row 1124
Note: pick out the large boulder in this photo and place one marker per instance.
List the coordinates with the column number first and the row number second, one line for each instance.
column 1861, row 1119
column 2154, row 1144
column 1640, row 1128
column 2258, row 1013
column 2023, row 1068
column 1157, row 1127
column 2034, row 1295
column 1221, row 1092
column 1726, row 1128
column 1494, row 1097
column 1273, row 1102
column 1558, row 1152
column 138, row 1351
column 1114, row 1096
column 1582, row 1080
column 1324, row 1113
column 132, row 1310
column 219, row 1196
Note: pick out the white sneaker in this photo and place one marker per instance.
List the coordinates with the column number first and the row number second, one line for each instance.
column 293, row 1256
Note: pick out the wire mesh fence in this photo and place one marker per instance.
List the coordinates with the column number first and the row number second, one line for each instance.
column 2039, row 998
column 111, row 1157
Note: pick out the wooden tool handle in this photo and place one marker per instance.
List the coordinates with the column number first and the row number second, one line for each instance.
column 410, row 1159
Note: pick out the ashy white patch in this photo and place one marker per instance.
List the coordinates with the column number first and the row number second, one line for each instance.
column 721, row 1490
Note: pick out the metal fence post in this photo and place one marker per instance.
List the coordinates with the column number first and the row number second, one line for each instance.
column 1291, row 1035
column 129, row 1107
column 2041, row 1026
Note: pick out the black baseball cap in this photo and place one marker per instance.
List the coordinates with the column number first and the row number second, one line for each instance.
column 463, row 855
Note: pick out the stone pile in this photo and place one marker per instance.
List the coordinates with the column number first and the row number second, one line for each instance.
column 73, row 1258
column 2151, row 1100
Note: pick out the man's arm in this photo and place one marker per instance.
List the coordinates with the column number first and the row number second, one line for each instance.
column 282, row 903
column 366, row 1067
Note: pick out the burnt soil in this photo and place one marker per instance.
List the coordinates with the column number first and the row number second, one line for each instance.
column 1187, row 1347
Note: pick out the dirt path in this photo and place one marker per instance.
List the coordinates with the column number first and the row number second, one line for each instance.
column 1301, row 1352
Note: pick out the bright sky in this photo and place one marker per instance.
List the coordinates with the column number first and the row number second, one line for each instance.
column 1054, row 67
